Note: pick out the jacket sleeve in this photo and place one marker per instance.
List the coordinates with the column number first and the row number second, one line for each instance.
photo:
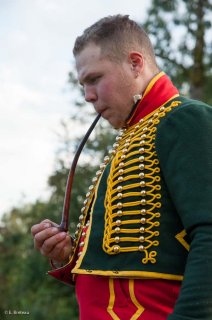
column 184, row 148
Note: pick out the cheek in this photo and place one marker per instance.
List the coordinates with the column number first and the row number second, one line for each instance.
column 105, row 90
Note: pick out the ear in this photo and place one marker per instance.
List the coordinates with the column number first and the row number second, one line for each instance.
column 137, row 61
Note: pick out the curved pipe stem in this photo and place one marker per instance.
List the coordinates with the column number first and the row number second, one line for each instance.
column 67, row 200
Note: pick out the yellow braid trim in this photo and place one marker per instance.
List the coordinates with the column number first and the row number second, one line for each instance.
column 133, row 198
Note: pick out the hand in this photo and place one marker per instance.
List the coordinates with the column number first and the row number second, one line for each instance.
column 51, row 242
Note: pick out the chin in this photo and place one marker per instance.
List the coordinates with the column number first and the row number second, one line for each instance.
column 116, row 123
column 117, row 126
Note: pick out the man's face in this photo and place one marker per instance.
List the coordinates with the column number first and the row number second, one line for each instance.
column 108, row 85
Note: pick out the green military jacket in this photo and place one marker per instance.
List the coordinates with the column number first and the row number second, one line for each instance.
column 150, row 207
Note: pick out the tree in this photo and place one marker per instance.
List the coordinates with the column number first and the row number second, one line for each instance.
column 24, row 284
column 180, row 31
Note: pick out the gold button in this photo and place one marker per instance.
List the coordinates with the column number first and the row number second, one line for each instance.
column 141, row 248
column 142, row 142
column 143, row 202
column 81, row 217
column 82, row 244
column 119, row 195
column 116, row 249
column 143, row 211
column 119, row 205
column 142, row 229
column 141, row 238
column 143, row 220
column 117, row 239
column 141, row 166
column 142, row 183
column 117, row 230
column 141, row 175
column 119, row 213
column 143, row 193
column 106, row 158
column 118, row 222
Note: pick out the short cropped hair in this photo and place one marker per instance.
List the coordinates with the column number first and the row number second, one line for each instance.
column 116, row 35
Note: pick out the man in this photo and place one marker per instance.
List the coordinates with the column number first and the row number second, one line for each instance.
column 143, row 247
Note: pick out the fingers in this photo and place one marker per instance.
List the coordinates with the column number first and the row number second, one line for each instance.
column 41, row 226
column 61, row 251
column 46, row 236
column 50, row 241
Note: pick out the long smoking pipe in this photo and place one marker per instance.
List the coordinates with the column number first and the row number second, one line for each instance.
column 67, row 199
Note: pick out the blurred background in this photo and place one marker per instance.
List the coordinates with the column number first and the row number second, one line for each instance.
column 43, row 117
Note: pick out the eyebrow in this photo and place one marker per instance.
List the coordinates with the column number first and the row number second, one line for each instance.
column 87, row 78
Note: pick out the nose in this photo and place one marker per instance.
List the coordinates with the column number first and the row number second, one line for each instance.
column 90, row 94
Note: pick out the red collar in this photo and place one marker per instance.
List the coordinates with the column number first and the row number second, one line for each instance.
column 159, row 91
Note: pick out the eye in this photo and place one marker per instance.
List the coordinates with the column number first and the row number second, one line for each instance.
column 94, row 80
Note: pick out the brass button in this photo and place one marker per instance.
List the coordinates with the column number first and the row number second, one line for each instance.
column 117, row 239
column 119, row 205
column 143, row 211
column 142, row 230
column 118, row 222
column 117, row 230
column 116, row 249
column 143, row 220
column 119, row 213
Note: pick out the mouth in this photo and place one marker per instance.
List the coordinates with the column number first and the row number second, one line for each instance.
column 102, row 111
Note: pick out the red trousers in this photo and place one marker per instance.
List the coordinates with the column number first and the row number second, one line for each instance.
column 103, row 298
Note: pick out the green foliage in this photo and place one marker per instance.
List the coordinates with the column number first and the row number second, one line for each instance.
column 181, row 34
column 24, row 284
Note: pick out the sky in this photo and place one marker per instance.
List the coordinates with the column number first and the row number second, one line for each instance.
column 36, row 41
